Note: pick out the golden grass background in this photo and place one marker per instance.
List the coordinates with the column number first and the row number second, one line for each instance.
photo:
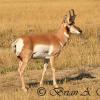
column 19, row 17
column 35, row 16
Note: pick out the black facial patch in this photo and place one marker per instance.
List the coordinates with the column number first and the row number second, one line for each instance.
column 67, row 28
column 78, row 29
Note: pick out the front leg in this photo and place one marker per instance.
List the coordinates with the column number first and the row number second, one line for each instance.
column 44, row 70
column 52, row 58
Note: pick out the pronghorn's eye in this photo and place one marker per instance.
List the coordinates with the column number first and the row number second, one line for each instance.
column 70, row 24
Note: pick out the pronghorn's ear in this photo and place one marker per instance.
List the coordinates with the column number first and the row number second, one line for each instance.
column 64, row 19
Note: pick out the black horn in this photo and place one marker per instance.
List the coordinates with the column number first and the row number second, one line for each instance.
column 73, row 12
column 72, row 19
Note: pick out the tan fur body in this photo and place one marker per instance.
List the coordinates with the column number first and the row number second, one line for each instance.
column 47, row 46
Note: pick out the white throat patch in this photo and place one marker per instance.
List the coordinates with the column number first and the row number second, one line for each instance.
column 66, row 34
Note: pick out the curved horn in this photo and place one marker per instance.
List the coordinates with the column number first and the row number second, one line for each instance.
column 73, row 16
column 72, row 12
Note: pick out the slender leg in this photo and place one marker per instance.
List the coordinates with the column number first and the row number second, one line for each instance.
column 22, row 65
column 53, row 70
column 44, row 70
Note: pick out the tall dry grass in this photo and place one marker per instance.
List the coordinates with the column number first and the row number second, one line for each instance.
column 22, row 17
column 19, row 17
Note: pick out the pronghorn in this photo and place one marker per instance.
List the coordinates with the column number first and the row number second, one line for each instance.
column 47, row 46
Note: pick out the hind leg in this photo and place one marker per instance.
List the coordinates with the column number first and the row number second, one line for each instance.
column 22, row 65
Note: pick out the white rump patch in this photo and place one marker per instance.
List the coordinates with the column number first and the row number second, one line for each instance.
column 19, row 46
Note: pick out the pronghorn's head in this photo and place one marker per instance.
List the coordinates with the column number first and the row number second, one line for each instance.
column 69, row 23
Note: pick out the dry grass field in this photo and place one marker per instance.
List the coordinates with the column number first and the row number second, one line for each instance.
column 81, row 55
